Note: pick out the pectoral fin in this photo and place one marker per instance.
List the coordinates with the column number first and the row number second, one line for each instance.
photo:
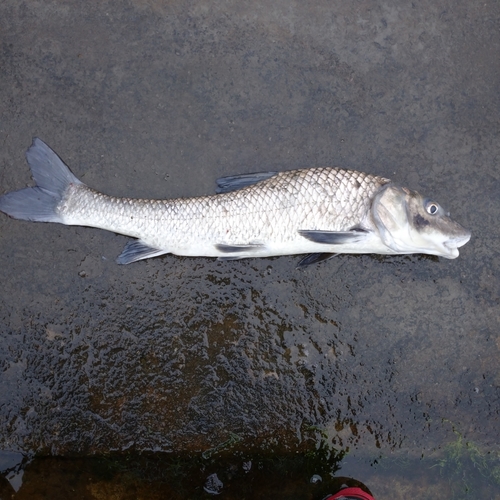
column 335, row 237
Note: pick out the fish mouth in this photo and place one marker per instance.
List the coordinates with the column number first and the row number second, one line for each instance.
column 453, row 244
column 459, row 241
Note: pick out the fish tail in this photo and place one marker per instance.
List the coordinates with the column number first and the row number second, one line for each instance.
column 52, row 177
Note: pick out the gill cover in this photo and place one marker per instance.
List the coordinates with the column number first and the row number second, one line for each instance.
column 389, row 212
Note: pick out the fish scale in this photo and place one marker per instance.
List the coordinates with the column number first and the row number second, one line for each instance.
column 316, row 210
column 274, row 209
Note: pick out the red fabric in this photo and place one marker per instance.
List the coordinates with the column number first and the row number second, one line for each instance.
column 351, row 492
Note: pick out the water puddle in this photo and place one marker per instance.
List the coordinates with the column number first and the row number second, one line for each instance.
column 462, row 471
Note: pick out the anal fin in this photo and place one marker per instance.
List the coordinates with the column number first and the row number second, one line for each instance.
column 137, row 250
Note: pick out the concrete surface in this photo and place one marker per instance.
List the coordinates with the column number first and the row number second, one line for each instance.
column 157, row 99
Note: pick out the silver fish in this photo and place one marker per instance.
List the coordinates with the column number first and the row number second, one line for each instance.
column 317, row 211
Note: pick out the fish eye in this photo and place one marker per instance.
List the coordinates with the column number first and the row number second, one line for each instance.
column 432, row 208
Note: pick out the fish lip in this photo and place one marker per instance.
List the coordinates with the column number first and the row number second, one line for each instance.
column 453, row 244
column 457, row 242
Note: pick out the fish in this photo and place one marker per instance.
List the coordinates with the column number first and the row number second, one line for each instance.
column 319, row 212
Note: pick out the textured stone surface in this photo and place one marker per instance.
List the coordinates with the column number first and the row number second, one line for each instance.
column 157, row 99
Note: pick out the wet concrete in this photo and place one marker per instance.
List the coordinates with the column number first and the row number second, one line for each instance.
column 383, row 356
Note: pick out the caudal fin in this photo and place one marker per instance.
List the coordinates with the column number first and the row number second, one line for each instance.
column 52, row 177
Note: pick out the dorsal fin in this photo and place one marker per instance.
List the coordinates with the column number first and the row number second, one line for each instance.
column 235, row 182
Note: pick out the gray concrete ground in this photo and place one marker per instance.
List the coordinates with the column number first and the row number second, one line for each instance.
column 157, row 99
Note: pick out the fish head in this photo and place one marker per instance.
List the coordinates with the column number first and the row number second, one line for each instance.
column 410, row 223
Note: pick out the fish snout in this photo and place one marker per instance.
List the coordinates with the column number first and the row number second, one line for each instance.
column 458, row 241
column 452, row 245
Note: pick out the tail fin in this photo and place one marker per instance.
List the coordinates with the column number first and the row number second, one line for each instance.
column 52, row 177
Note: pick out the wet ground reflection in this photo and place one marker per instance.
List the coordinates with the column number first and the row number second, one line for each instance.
column 463, row 472
column 190, row 359
column 255, row 356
